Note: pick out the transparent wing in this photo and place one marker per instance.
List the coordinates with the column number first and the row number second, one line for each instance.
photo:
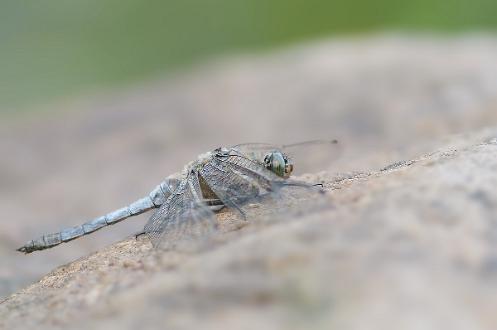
column 259, row 149
column 238, row 181
column 232, row 188
column 280, row 196
column 307, row 156
column 182, row 217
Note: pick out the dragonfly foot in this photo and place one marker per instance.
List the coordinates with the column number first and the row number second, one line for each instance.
column 139, row 234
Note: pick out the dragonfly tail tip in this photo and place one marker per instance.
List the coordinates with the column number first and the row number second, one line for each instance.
column 24, row 250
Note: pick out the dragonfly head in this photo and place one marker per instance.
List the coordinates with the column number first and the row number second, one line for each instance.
column 278, row 163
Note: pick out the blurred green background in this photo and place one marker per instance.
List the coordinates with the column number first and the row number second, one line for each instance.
column 62, row 48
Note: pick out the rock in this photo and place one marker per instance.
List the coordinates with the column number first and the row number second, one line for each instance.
column 408, row 246
column 405, row 242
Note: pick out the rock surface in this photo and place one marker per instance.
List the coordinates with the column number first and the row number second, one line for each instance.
column 411, row 246
column 408, row 245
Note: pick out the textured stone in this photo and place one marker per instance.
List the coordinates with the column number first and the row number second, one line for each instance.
column 407, row 240
column 412, row 244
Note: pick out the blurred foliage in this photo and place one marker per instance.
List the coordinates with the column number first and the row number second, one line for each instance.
column 56, row 48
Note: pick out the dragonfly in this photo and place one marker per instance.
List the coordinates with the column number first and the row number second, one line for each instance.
column 185, row 205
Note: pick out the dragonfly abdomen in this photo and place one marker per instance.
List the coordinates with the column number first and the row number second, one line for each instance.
column 155, row 199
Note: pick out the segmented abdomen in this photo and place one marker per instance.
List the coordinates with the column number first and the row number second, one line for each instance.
column 155, row 199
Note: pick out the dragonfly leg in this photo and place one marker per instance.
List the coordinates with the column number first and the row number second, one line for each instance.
column 239, row 210
column 213, row 202
column 305, row 185
column 141, row 233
